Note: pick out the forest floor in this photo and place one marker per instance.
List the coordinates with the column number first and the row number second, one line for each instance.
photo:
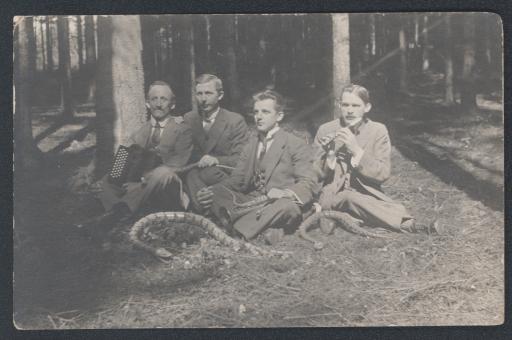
column 447, row 167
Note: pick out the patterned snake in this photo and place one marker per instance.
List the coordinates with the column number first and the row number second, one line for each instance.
column 163, row 220
column 343, row 218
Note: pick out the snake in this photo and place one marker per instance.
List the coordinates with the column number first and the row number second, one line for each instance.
column 164, row 220
column 344, row 219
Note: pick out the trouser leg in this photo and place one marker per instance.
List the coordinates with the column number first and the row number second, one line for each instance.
column 196, row 179
column 371, row 210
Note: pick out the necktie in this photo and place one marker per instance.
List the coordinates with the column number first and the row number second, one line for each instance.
column 207, row 124
column 263, row 150
column 155, row 137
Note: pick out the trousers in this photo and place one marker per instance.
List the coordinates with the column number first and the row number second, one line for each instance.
column 160, row 191
column 196, row 179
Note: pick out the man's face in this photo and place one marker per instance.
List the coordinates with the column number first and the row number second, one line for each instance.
column 207, row 98
column 353, row 108
column 159, row 101
column 265, row 115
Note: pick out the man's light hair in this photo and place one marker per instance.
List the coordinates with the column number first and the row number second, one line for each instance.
column 206, row 78
column 271, row 94
column 358, row 90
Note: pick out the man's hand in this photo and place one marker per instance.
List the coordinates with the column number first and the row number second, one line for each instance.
column 275, row 194
column 207, row 161
column 326, row 140
column 205, row 197
column 345, row 136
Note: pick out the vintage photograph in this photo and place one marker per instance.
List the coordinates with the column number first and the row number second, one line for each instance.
column 258, row 170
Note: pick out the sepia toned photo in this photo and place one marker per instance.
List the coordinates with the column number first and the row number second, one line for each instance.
column 258, row 170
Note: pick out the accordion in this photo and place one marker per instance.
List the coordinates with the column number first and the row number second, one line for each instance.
column 130, row 163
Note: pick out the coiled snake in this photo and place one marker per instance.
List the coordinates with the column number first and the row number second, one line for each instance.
column 344, row 219
column 164, row 220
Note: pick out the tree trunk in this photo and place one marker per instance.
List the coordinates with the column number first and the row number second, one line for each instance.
column 468, row 88
column 80, row 41
column 402, row 41
column 192, row 65
column 425, row 43
column 26, row 154
column 448, row 61
column 120, row 106
column 341, row 55
column 68, row 107
column 90, row 55
column 49, row 47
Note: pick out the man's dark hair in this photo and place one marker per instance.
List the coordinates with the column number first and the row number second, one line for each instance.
column 271, row 94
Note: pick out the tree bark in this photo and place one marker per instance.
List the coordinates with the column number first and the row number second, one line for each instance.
column 49, row 46
column 26, row 154
column 80, row 41
column 341, row 55
column 120, row 105
column 468, row 83
column 402, row 41
column 448, row 61
column 68, row 107
column 425, row 43
column 90, row 55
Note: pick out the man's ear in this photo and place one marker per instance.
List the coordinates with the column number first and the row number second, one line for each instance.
column 221, row 95
column 147, row 105
column 367, row 107
column 172, row 106
column 280, row 116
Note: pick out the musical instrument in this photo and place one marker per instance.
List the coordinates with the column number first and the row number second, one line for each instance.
column 131, row 162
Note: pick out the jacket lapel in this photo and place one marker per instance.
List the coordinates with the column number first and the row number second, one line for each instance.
column 215, row 132
column 274, row 153
column 251, row 161
column 142, row 139
column 198, row 131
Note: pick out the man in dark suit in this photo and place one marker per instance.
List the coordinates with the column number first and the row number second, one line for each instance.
column 171, row 139
column 219, row 136
column 274, row 163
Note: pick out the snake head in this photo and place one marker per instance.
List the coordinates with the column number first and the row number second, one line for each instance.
column 318, row 245
column 163, row 254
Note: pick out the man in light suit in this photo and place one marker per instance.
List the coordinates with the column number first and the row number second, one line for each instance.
column 219, row 136
column 274, row 163
column 160, row 188
column 354, row 159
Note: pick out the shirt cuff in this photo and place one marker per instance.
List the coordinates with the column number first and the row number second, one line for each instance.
column 297, row 199
column 354, row 161
column 330, row 161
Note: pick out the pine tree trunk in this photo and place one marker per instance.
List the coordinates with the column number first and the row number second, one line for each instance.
column 68, row 107
column 425, row 43
column 120, row 105
column 26, row 154
column 80, row 41
column 402, row 41
column 448, row 61
column 49, row 46
column 90, row 55
column 468, row 86
column 341, row 55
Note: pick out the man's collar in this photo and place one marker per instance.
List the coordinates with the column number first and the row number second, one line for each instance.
column 355, row 127
column 270, row 133
column 212, row 116
column 162, row 122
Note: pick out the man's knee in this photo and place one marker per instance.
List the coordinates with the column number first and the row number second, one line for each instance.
column 288, row 208
column 161, row 174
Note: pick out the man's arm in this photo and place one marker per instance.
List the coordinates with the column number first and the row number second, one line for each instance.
column 236, row 181
column 179, row 155
column 306, row 185
column 375, row 164
column 238, row 136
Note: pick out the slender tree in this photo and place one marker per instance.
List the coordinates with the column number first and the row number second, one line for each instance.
column 27, row 156
column 448, row 60
column 341, row 53
column 68, row 106
column 426, row 45
column 49, row 45
column 80, row 41
column 402, row 43
column 90, row 55
column 120, row 105
column 467, row 86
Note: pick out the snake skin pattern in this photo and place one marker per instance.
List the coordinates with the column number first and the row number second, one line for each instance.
column 343, row 219
column 162, row 220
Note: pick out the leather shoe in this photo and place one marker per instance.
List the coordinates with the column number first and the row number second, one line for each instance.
column 273, row 236
column 109, row 217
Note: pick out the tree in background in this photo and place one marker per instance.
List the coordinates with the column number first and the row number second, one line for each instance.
column 448, row 61
column 26, row 154
column 341, row 53
column 90, row 55
column 67, row 101
column 120, row 103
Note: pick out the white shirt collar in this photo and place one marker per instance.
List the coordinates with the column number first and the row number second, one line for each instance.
column 212, row 116
column 162, row 123
column 270, row 134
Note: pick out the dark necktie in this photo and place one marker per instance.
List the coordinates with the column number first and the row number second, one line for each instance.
column 155, row 137
column 263, row 150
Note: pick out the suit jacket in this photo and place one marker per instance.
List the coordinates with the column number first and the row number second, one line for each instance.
column 374, row 167
column 176, row 142
column 225, row 139
column 288, row 164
